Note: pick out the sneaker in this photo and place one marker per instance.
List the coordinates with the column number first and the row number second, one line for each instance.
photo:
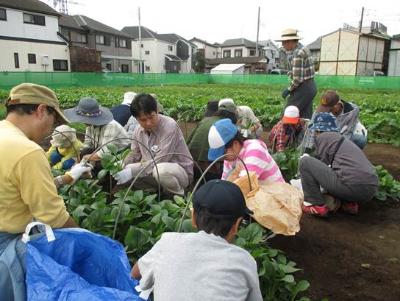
column 321, row 211
column 350, row 207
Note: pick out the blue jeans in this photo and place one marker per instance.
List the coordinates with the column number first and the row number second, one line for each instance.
column 359, row 140
column 12, row 267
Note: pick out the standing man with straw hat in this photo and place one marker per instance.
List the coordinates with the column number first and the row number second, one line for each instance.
column 302, row 89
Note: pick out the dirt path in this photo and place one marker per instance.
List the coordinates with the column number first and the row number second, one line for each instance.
column 350, row 257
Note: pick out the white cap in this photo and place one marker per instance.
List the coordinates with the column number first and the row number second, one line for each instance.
column 224, row 101
column 128, row 97
column 291, row 115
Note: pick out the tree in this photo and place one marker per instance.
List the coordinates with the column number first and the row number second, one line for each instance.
column 199, row 62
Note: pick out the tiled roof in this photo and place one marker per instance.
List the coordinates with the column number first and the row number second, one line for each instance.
column 88, row 23
column 239, row 42
column 204, row 42
column 316, row 45
column 133, row 31
column 30, row 5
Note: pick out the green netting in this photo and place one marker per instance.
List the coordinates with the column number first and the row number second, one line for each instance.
column 83, row 79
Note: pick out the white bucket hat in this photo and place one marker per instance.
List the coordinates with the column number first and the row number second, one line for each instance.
column 288, row 35
column 128, row 98
column 63, row 136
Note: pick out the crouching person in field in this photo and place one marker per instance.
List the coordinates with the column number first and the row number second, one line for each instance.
column 225, row 138
column 159, row 139
column 203, row 265
column 340, row 168
column 101, row 128
column 26, row 183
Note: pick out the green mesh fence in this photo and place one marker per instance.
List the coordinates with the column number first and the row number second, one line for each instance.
column 83, row 79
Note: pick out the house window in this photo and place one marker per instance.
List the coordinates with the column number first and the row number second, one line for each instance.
column 60, row 65
column 100, row 39
column 141, row 45
column 252, row 52
column 34, row 19
column 3, row 14
column 170, row 48
column 122, row 43
column 107, row 40
column 238, row 52
column 80, row 38
column 108, row 66
column 147, row 68
column 124, row 68
column 31, row 58
column 16, row 60
column 147, row 52
column 213, row 52
column 64, row 32
column 226, row 53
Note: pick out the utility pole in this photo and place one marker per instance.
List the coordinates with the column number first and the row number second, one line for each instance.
column 141, row 69
column 258, row 30
column 361, row 21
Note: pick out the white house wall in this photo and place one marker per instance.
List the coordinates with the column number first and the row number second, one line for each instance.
column 348, row 46
column 394, row 59
column 329, row 47
column 209, row 51
column 346, row 68
column 155, row 60
column 53, row 51
column 15, row 27
column 245, row 51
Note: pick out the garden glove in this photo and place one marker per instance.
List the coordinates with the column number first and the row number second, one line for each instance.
column 245, row 132
column 285, row 93
column 304, row 155
column 78, row 170
column 124, row 175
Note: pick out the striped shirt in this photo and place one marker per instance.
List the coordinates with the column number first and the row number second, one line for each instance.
column 255, row 155
column 301, row 65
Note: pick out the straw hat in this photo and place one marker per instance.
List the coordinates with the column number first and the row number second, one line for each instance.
column 288, row 35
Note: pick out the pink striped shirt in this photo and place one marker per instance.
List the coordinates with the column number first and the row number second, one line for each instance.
column 256, row 157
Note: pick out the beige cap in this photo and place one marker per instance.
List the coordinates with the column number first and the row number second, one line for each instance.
column 27, row 93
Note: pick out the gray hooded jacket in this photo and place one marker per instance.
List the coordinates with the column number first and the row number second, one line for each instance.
column 349, row 163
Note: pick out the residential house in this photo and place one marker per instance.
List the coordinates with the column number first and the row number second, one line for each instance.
column 29, row 38
column 241, row 51
column 349, row 52
column 89, row 37
column 315, row 49
column 272, row 53
column 394, row 56
column 210, row 51
column 160, row 53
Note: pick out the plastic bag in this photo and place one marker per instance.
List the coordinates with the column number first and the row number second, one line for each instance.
column 77, row 265
column 276, row 206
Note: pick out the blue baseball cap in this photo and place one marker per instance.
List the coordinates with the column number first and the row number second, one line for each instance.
column 221, row 132
column 324, row 122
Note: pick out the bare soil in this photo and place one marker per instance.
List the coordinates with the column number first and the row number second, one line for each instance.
column 350, row 257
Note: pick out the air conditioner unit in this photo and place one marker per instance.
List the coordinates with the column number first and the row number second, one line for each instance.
column 45, row 60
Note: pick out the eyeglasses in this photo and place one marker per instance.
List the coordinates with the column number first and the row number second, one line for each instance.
column 53, row 112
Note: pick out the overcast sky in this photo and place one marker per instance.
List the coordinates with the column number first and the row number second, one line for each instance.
column 218, row 20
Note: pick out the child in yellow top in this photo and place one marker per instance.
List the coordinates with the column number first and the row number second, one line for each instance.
column 64, row 149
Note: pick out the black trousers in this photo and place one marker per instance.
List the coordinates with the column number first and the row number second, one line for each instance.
column 302, row 97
